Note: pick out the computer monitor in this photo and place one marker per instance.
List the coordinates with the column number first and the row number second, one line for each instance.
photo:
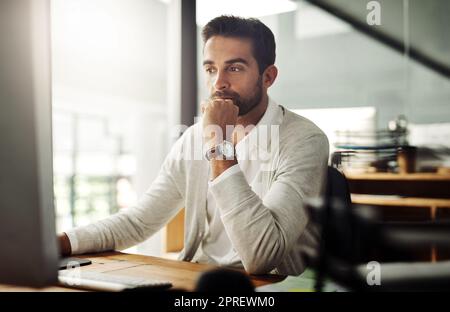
column 28, row 245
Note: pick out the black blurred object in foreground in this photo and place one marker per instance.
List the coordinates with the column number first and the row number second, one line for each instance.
column 221, row 280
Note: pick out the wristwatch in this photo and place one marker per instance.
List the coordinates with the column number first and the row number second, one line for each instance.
column 224, row 150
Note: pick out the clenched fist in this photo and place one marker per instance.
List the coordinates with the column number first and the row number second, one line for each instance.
column 217, row 115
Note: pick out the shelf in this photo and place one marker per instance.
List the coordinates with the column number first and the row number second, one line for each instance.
column 383, row 200
column 397, row 177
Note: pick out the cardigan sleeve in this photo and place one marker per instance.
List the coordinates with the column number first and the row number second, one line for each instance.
column 133, row 225
column 263, row 230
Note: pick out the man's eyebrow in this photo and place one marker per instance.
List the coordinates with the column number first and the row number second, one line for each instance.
column 235, row 60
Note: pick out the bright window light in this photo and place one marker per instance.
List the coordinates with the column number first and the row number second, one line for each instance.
column 330, row 120
column 209, row 9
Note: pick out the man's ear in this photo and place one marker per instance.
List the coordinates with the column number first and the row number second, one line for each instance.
column 269, row 75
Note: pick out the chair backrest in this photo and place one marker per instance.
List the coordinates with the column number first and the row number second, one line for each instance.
column 337, row 187
column 336, row 217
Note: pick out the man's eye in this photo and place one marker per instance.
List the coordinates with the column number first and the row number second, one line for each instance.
column 209, row 70
column 234, row 69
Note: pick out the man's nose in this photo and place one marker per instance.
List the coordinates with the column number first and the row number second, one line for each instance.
column 221, row 82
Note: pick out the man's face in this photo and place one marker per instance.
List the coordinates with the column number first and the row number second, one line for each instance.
column 232, row 72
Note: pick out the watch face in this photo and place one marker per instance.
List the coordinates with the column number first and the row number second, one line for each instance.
column 228, row 149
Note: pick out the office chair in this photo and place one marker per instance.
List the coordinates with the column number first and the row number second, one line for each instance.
column 337, row 195
column 353, row 235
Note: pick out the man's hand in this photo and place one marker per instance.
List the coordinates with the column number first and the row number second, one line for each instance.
column 64, row 245
column 217, row 115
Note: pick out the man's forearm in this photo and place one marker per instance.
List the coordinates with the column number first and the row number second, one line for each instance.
column 64, row 245
column 219, row 166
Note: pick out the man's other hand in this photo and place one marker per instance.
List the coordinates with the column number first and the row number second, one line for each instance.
column 64, row 245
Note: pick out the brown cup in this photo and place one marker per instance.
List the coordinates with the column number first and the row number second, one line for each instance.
column 406, row 159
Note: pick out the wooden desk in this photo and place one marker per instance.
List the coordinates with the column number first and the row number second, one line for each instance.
column 183, row 275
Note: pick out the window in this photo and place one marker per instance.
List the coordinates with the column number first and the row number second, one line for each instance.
column 109, row 105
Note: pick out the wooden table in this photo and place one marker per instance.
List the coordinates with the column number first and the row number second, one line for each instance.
column 183, row 275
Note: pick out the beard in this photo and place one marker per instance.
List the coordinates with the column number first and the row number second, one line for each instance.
column 245, row 104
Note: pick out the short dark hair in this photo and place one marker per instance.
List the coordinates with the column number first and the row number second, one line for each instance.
column 262, row 38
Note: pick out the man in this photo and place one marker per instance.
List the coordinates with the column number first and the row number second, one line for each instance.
column 243, row 199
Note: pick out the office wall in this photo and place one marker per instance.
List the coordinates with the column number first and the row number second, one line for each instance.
column 350, row 69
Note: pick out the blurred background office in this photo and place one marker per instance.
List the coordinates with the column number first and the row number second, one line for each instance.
column 115, row 75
